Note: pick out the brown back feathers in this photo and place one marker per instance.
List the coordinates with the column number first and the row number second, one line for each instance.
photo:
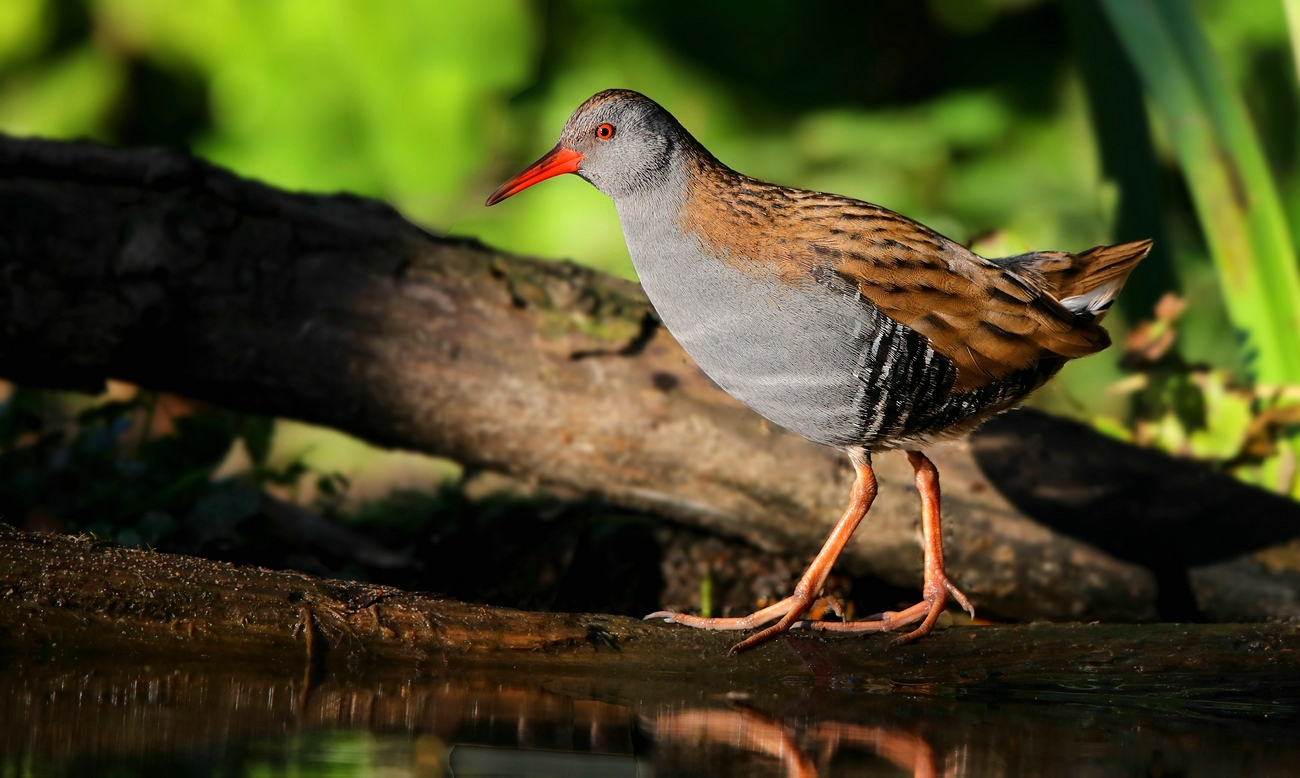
column 990, row 318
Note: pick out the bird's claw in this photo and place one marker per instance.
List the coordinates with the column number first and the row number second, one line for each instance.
column 959, row 597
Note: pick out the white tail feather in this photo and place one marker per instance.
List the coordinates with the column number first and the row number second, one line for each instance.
column 1097, row 300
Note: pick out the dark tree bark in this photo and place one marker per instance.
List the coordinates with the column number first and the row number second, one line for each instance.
column 156, row 268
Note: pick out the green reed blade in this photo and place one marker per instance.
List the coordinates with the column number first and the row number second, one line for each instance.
column 1293, row 24
column 1233, row 192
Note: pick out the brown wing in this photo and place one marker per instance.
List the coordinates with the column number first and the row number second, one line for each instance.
column 987, row 319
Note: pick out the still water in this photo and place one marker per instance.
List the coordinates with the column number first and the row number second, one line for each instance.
column 209, row 719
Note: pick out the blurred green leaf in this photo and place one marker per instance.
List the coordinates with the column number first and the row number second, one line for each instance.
column 258, row 432
column 1227, row 416
column 1112, row 427
column 1238, row 30
column 1292, row 8
column 68, row 99
column 22, row 28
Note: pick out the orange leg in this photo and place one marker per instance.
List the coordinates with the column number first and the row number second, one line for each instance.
column 937, row 586
column 810, row 585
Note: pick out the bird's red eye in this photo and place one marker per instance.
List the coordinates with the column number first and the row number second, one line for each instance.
column 605, row 131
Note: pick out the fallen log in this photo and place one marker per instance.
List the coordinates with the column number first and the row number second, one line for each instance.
column 157, row 268
column 64, row 598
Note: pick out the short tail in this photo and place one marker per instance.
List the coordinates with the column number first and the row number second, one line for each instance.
column 1085, row 283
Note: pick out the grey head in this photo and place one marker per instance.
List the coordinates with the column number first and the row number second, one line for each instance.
column 627, row 141
column 620, row 141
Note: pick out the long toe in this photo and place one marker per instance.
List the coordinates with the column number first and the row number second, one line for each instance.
column 889, row 621
column 936, row 590
column 752, row 621
column 923, row 629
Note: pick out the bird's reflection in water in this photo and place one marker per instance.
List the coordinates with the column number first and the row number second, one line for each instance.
column 137, row 721
column 904, row 749
column 71, row 718
column 742, row 729
column 748, row 730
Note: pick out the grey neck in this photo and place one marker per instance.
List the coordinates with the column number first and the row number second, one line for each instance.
column 651, row 225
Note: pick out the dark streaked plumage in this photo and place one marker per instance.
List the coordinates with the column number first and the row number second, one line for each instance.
column 840, row 320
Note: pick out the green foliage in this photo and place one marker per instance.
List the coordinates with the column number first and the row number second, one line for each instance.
column 1204, row 413
column 382, row 97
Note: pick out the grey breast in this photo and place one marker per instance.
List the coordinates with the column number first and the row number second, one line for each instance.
column 817, row 359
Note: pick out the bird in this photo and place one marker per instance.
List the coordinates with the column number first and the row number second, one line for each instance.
column 840, row 320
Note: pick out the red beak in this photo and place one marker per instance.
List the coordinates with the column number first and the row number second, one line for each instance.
column 556, row 161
